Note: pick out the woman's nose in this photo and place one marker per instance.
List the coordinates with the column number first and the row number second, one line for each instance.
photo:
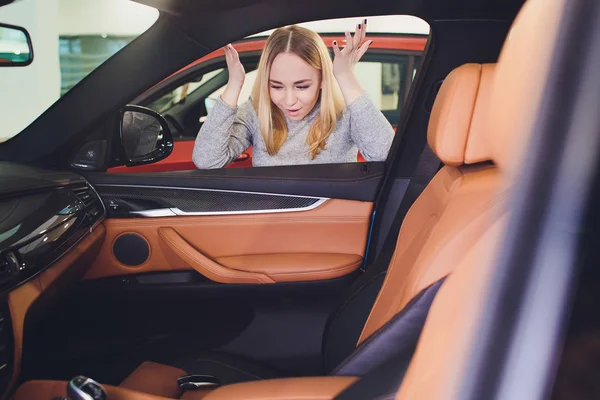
column 290, row 98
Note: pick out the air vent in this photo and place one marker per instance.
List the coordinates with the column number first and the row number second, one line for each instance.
column 86, row 195
column 89, row 198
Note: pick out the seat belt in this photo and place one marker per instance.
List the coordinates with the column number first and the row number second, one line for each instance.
column 427, row 166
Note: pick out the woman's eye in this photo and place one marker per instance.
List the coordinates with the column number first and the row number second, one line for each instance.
column 276, row 87
column 302, row 87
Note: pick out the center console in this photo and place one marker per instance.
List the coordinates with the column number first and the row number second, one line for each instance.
column 83, row 388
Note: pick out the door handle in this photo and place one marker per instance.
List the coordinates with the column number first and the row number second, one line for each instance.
column 204, row 265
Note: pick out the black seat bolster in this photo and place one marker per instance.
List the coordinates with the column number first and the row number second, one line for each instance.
column 397, row 337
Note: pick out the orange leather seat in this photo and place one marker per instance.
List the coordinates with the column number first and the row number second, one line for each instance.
column 440, row 227
column 451, row 330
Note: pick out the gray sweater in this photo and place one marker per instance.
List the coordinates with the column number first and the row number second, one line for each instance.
column 228, row 132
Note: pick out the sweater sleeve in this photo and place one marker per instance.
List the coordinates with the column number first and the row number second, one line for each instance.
column 226, row 133
column 369, row 129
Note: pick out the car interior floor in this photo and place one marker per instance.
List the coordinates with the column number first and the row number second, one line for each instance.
column 107, row 336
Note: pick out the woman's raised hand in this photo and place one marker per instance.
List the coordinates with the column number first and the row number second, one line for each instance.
column 237, row 75
column 346, row 58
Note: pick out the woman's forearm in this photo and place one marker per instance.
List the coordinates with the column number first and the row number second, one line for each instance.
column 231, row 94
column 222, row 137
column 350, row 87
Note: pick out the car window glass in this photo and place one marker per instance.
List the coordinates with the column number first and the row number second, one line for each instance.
column 246, row 89
column 385, row 73
column 164, row 103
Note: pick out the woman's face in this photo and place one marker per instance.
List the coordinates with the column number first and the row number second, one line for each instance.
column 293, row 85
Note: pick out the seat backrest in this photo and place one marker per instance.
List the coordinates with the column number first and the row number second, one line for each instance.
column 451, row 325
column 446, row 218
column 441, row 225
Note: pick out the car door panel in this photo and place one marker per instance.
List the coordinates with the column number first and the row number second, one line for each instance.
column 164, row 308
column 321, row 243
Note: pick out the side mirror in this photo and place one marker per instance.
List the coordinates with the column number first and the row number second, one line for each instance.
column 145, row 135
column 15, row 46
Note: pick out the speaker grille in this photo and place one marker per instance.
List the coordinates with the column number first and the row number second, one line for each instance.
column 131, row 249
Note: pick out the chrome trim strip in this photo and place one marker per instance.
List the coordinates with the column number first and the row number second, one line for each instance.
column 170, row 212
column 159, row 212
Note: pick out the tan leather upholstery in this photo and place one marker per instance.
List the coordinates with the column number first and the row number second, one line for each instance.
column 519, row 84
column 69, row 267
column 337, row 227
column 449, row 330
column 449, row 216
column 42, row 390
column 207, row 267
column 156, row 379
column 261, row 268
column 517, row 88
column 295, row 267
column 456, row 131
column 320, row 388
column 478, row 146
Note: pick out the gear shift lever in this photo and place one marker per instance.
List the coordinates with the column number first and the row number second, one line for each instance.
column 83, row 388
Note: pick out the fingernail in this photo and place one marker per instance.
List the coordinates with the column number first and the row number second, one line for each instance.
column 335, row 42
column 365, row 21
column 359, row 26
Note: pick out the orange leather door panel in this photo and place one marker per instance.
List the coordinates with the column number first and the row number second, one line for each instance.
column 325, row 242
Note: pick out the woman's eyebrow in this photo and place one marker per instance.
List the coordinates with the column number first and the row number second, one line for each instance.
column 295, row 83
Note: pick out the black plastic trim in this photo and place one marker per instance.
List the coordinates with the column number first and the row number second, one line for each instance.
column 352, row 181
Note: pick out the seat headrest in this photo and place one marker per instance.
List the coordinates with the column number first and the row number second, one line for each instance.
column 521, row 73
column 457, row 127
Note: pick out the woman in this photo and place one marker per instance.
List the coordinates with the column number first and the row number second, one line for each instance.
column 304, row 109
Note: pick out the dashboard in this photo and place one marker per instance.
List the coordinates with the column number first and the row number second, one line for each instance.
column 49, row 224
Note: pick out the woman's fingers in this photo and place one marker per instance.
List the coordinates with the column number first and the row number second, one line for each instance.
column 336, row 49
column 349, row 44
column 364, row 31
column 363, row 49
column 227, row 54
column 357, row 39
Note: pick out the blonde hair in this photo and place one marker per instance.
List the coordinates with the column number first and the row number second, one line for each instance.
column 309, row 46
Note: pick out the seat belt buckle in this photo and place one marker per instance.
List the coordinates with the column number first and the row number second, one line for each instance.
column 198, row 382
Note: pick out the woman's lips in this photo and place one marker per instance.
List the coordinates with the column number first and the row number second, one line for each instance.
column 293, row 112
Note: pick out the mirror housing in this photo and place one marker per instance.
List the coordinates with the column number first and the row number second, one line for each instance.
column 145, row 136
column 16, row 49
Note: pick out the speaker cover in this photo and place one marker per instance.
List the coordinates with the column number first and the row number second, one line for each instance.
column 131, row 249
